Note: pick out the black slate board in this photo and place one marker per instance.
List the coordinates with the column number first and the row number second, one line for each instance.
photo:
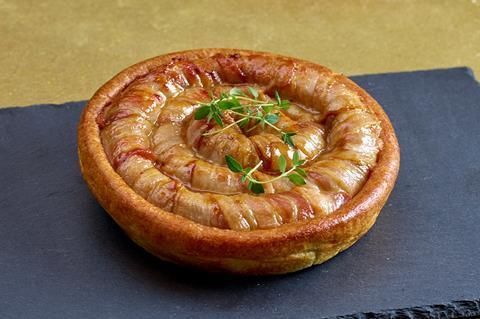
column 61, row 256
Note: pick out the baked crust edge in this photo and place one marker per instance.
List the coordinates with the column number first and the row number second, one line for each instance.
column 284, row 249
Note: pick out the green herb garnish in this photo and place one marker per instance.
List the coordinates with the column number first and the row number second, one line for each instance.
column 261, row 112
column 295, row 174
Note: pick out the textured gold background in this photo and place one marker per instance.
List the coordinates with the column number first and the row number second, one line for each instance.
column 57, row 51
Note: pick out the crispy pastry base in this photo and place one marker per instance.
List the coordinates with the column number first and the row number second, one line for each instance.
column 288, row 248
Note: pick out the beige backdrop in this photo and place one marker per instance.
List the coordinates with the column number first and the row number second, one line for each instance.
column 57, row 51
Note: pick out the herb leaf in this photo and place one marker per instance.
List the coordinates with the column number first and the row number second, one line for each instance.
column 253, row 92
column 225, row 104
column 256, row 187
column 277, row 97
column 287, row 138
column 268, row 108
column 272, row 118
column 295, row 158
column 217, row 119
column 233, row 164
column 284, row 104
column 282, row 163
column 301, row 172
column 236, row 91
column 202, row 112
column 296, row 179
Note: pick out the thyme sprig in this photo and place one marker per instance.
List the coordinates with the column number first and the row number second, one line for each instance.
column 263, row 113
column 295, row 174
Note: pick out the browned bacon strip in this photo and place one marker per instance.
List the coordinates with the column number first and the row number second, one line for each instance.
column 175, row 162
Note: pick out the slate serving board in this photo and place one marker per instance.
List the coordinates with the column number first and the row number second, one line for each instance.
column 61, row 256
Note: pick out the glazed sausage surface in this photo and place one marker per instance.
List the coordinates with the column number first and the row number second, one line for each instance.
column 153, row 141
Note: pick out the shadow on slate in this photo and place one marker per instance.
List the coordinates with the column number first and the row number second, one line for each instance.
column 61, row 256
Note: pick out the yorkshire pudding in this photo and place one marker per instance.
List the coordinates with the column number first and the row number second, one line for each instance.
column 160, row 166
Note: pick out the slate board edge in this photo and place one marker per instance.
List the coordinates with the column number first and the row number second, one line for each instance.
column 43, row 105
column 451, row 309
column 466, row 69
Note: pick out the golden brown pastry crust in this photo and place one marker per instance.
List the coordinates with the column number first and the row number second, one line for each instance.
column 287, row 248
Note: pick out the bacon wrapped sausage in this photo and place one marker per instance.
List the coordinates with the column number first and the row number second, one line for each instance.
column 154, row 142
